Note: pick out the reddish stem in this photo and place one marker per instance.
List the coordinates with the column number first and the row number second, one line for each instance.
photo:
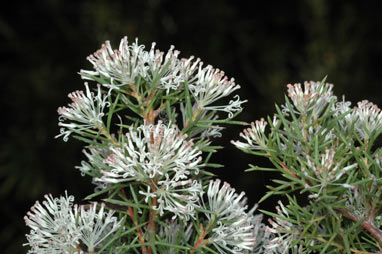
column 367, row 224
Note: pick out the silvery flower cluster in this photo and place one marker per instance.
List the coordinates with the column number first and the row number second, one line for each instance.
column 148, row 119
column 59, row 226
column 330, row 164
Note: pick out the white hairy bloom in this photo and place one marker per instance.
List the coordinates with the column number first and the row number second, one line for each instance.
column 259, row 230
column 167, row 67
column 326, row 172
column 175, row 195
column 315, row 97
column 254, row 136
column 95, row 225
column 368, row 118
column 160, row 157
column 233, row 232
column 85, row 112
column 283, row 231
column 211, row 85
column 342, row 107
column 150, row 152
column 124, row 66
column 52, row 224
column 59, row 227
column 121, row 66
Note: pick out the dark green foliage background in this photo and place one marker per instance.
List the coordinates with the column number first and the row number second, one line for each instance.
column 264, row 46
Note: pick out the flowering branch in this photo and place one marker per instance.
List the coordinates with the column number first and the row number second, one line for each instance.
column 167, row 109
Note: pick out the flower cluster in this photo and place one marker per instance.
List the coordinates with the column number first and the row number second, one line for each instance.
column 150, row 152
column 235, row 229
column 284, row 230
column 123, row 67
column 254, row 136
column 326, row 172
column 315, row 97
column 58, row 226
column 85, row 112
column 368, row 119
column 128, row 66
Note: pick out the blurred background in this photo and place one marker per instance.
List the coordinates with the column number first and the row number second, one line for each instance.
column 264, row 46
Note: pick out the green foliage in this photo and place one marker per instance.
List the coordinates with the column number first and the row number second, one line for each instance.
column 326, row 154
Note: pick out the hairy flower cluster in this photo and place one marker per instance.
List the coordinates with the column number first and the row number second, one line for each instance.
column 152, row 151
column 314, row 97
column 160, row 157
column 130, row 64
column 211, row 85
column 254, row 136
column 85, row 112
column 368, row 119
column 328, row 171
column 284, row 230
column 234, row 231
column 58, row 226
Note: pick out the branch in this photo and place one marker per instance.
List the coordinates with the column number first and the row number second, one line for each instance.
column 367, row 224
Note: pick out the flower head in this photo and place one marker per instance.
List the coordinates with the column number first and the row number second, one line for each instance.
column 175, row 195
column 234, row 229
column 315, row 97
column 59, row 227
column 95, row 225
column 211, row 85
column 283, row 231
column 85, row 112
column 121, row 66
column 368, row 118
column 328, row 171
column 150, row 152
column 52, row 224
column 254, row 136
column 125, row 65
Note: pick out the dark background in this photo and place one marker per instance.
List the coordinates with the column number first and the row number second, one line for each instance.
column 43, row 44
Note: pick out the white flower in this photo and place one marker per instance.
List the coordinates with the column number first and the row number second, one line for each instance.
column 368, row 119
column 326, row 172
column 121, row 66
column 211, row 85
column 315, row 97
column 59, row 227
column 259, row 231
column 168, row 68
column 283, row 231
column 131, row 62
column 233, row 232
column 152, row 151
column 95, row 225
column 52, row 226
column 85, row 112
column 254, row 136
column 175, row 195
